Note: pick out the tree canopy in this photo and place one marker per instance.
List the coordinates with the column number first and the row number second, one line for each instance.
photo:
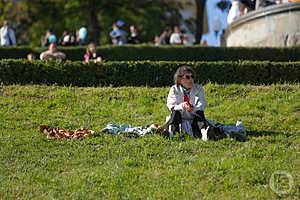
column 31, row 18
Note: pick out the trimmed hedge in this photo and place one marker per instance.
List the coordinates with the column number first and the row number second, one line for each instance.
column 15, row 52
column 144, row 73
column 168, row 53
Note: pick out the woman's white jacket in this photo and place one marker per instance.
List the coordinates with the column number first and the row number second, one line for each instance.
column 175, row 100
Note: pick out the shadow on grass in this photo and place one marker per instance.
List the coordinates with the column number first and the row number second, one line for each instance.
column 239, row 138
column 262, row 133
column 216, row 137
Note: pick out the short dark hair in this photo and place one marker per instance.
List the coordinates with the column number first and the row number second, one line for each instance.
column 180, row 72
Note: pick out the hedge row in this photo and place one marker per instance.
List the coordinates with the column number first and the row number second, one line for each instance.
column 144, row 73
column 168, row 53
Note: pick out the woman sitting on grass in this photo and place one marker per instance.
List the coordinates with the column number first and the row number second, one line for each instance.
column 91, row 54
column 187, row 103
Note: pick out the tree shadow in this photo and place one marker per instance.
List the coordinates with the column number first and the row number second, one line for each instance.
column 249, row 135
column 262, row 133
column 216, row 137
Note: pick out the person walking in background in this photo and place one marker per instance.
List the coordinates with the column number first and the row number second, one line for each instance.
column 250, row 4
column 242, row 9
column 114, row 34
column 156, row 40
column 237, row 10
column 91, row 54
column 66, row 39
column 122, row 39
column 48, row 38
column 81, row 36
column 223, row 38
column 176, row 36
column 164, row 38
column 133, row 36
column 118, row 36
column 7, row 35
column 256, row 4
column 73, row 41
column 186, row 40
column 234, row 11
column 203, row 42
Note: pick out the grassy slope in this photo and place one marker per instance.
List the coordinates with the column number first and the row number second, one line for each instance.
column 32, row 167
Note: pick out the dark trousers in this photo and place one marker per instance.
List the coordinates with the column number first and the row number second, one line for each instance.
column 176, row 119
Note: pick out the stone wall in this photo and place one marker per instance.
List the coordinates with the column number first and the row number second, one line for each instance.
column 273, row 26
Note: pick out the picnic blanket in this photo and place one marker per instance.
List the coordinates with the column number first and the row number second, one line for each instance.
column 114, row 128
column 53, row 133
column 117, row 129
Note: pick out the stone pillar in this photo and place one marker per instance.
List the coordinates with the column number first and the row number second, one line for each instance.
column 272, row 26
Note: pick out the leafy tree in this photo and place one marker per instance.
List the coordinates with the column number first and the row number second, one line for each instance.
column 31, row 18
column 200, row 5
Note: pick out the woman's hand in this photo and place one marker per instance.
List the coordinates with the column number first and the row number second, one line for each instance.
column 99, row 59
column 188, row 107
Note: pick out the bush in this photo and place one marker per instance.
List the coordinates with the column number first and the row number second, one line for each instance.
column 144, row 73
column 15, row 52
column 168, row 53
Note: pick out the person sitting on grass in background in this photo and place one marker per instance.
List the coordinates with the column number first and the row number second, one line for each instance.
column 187, row 103
column 52, row 53
column 91, row 54
column 30, row 56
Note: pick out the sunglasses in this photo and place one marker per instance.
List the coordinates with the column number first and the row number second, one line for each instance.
column 188, row 77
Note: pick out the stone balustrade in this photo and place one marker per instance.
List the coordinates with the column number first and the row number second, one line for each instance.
column 273, row 26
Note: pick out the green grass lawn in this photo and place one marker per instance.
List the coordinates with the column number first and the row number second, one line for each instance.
column 150, row 167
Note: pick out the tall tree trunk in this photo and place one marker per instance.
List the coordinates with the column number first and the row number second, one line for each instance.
column 94, row 21
column 199, row 19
